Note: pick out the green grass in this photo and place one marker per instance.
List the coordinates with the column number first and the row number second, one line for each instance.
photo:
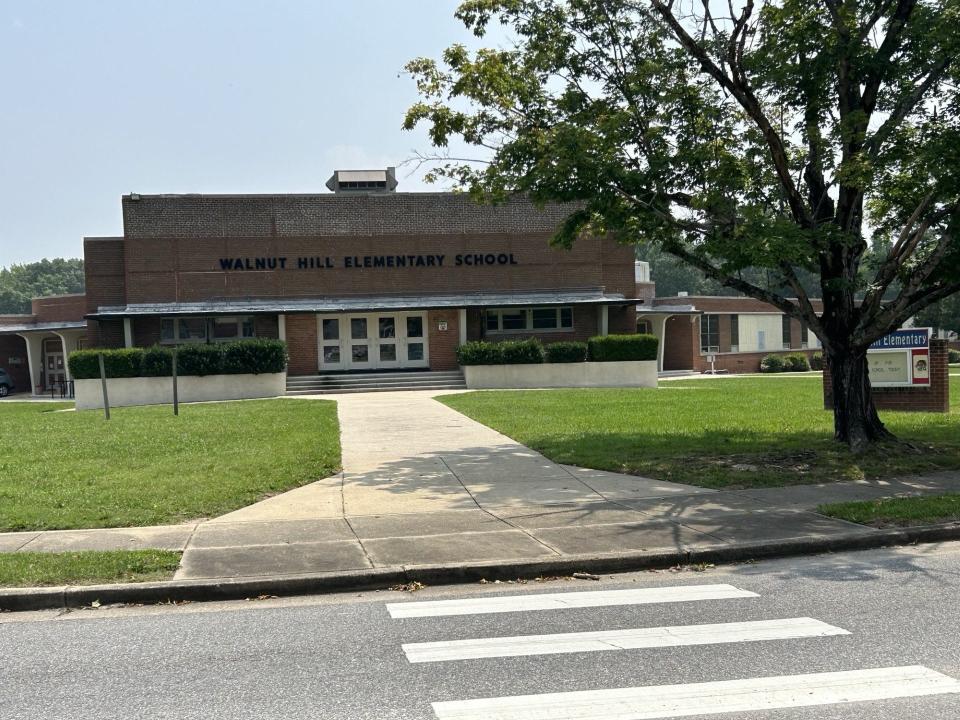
column 147, row 467
column 897, row 512
column 730, row 432
column 86, row 568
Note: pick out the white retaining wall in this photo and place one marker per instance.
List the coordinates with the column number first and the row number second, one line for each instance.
column 633, row 373
column 190, row 388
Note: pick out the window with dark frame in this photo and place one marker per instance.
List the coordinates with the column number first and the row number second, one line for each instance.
column 786, row 332
column 734, row 333
column 804, row 336
column 507, row 320
column 709, row 333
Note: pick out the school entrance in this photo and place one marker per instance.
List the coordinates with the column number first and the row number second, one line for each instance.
column 373, row 341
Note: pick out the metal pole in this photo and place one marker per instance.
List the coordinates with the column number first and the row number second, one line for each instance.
column 103, row 384
column 176, row 400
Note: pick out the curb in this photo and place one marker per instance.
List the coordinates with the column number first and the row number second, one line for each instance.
column 172, row 591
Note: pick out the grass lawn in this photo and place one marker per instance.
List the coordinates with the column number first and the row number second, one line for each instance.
column 86, row 568
column 147, row 467
column 729, row 432
column 897, row 512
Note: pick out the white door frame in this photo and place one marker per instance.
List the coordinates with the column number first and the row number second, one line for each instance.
column 345, row 342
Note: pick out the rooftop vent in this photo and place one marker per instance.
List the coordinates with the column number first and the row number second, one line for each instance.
column 363, row 181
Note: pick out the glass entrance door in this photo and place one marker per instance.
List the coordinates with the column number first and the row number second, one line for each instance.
column 332, row 356
column 373, row 341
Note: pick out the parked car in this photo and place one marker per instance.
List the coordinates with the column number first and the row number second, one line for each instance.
column 6, row 383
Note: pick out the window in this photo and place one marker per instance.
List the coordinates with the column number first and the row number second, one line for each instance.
column 734, row 333
column 523, row 320
column 786, row 332
column 709, row 333
column 201, row 330
column 804, row 336
column 644, row 326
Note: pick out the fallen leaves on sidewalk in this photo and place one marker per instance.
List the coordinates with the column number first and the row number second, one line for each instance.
column 408, row 587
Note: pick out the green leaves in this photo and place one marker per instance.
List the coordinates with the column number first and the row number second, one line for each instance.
column 20, row 283
column 760, row 140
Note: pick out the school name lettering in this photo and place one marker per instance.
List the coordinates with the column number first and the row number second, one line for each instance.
column 367, row 261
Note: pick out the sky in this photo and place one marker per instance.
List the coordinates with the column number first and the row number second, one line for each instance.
column 104, row 98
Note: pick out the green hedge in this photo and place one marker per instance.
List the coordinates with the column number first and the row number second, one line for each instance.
column 612, row 348
column 953, row 356
column 522, row 352
column 816, row 361
column 479, row 352
column 599, row 349
column 566, row 352
column 255, row 356
column 511, row 352
column 795, row 362
column 772, row 364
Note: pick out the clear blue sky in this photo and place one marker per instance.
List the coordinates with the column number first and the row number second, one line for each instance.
column 104, row 98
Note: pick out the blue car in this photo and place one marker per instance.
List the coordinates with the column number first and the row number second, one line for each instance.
column 6, row 383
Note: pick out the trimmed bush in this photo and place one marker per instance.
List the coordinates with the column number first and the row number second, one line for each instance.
column 253, row 356
column 772, row 364
column 479, row 352
column 796, row 362
column 566, row 352
column 614, row 348
column 522, row 352
column 200, row 360
column 953, row 356
column 157, row 362
column 118, row 363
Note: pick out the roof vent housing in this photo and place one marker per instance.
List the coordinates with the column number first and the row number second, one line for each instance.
column 363, row 181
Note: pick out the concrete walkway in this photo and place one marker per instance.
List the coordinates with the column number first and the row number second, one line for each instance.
column 424, row 485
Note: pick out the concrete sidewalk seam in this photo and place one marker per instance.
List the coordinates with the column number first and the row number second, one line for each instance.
column 15, row 599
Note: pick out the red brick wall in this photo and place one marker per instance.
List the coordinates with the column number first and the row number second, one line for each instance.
column 60, row 308
column 105, row 286
column 302, row 344
column 146, row 331
column 187, row 269
column 15, row 346
column 932, row 398
column 443, row 344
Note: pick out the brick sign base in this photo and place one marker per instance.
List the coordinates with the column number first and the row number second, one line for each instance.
column 934, row 397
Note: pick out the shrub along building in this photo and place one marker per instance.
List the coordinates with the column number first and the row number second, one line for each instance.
column 361, row 279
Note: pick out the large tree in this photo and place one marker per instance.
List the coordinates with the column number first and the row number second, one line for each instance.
column 736, row 136
column 20, row 283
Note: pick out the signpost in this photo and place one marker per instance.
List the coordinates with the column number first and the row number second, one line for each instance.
column 901, row 359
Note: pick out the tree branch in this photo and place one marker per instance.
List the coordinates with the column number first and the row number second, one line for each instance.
column 741, row 90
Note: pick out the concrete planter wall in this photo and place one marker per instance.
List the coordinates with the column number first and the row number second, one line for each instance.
column 159, row 390
column 635, row 373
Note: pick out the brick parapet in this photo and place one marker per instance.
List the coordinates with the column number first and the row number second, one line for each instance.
column 60, row 308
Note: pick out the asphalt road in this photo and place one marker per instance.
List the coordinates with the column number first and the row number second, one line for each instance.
column 343, row 656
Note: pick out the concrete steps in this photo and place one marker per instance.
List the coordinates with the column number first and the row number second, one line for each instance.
column 375, row 382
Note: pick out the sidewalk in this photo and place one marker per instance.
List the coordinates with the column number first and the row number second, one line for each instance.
column 425, row 486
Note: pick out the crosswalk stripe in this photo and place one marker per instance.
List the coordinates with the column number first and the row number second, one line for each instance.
column 558, row 601
column 633, row 639
column 671, row 701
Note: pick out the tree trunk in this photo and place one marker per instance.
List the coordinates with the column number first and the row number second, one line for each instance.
column 855, row 419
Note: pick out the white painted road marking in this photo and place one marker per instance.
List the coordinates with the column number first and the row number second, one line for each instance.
column 671, row 701
column 654, row 637
column 559, row 601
